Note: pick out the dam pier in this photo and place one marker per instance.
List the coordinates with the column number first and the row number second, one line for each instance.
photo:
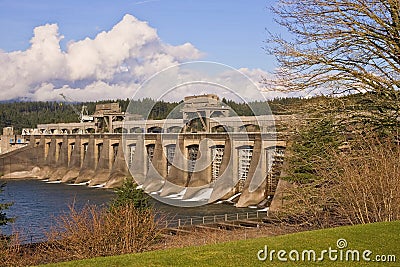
column 206, row 155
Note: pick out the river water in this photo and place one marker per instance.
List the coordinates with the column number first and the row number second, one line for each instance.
column 38, row 203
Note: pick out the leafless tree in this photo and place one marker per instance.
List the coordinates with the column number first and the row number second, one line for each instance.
column 340, row 46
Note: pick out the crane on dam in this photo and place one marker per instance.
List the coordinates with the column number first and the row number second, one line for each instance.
column 83, row 114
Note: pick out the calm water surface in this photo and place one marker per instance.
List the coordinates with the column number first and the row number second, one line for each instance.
column 37, row 203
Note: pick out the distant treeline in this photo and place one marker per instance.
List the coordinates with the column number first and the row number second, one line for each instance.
column 29, row 114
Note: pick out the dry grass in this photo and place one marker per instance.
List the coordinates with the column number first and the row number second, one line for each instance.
column 87, row 233
column 200, row 236
column 359, row 185
column 368, row 182
column 9, row 249
column 97, row 231
column 79, row 240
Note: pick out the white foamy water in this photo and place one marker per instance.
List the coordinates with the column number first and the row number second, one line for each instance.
column 84, row 183
column 202, row 195
column 98, row 186
column 178, row 195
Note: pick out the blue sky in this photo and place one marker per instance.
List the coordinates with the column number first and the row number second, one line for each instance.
column 72, row 41
column 230, row 32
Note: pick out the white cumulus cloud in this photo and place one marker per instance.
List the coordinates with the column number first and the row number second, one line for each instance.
column 111, row 65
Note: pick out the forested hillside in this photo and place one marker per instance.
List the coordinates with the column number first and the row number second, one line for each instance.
column 28, row 114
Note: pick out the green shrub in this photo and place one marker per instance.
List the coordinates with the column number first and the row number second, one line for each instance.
column 128, row 193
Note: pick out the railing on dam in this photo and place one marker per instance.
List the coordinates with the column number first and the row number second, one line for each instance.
column 199, row 220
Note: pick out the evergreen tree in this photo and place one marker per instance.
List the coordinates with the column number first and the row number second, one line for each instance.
column 128, row 193
column 29, row 114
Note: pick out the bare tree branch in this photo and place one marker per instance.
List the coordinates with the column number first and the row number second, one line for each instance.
column 340, row 47
column 350, row 44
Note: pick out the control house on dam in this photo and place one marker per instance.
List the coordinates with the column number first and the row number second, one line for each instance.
column 206, row 153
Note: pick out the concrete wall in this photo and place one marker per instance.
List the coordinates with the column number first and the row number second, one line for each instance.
column 101, row 159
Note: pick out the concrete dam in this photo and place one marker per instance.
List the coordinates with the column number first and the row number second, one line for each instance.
column 207, row 156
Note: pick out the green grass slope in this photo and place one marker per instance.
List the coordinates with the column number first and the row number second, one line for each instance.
column 380, row 238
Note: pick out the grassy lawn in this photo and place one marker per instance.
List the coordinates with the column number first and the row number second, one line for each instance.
column 380, row 238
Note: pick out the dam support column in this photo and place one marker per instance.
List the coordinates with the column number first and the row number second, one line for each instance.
column 62, row 162
column 119, row 171
column 41, row 154
column 51, row 159
column 157, row 168
column 37, row 153
column 88, row 166
column 225, row 183
column 138, row 165
column 202, row 174
column 254, row 188
column 103, row 168
column 47, row 168
column 74, row 165
column 177, row 178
